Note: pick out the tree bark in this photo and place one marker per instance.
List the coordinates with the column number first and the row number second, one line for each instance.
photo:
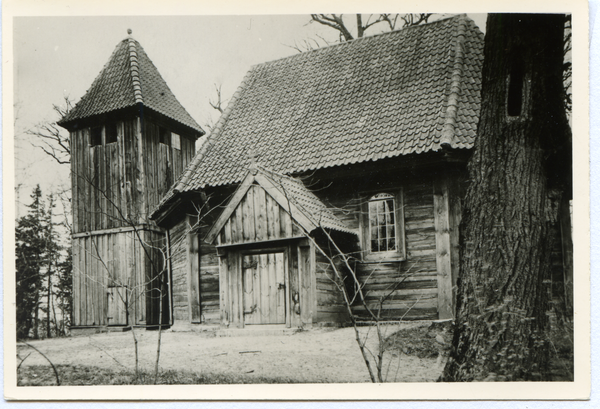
column 521, row 152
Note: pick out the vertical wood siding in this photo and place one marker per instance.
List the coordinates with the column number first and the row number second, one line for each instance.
column 108, row 261
column 115, row 181
column 258, row 217
column 116, row 185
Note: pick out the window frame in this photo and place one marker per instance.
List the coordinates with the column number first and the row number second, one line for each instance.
column 377, row 256
column 101, row 138
column 106, row 133
column 175, row 141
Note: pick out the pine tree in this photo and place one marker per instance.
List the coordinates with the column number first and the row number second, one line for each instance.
column 30, row 255
column 37, row 264
column 64, row 292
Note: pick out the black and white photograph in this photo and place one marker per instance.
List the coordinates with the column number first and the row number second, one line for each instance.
column 313, row 205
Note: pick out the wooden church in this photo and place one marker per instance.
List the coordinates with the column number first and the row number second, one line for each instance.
column 345, row 160
column 130, row 140
column 356, row 149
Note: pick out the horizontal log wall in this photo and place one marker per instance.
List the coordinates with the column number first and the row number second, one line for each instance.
column 179, row 286
column 209, row 283
column 331, row 307
column 416, row 297
column 195, row 276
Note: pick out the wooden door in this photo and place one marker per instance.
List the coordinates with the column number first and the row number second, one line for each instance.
column 117, row 306
column 264, row 281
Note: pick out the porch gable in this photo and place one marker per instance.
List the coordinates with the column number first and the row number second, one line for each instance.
column 267, row 206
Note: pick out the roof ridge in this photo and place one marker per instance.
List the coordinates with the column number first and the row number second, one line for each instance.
column 447, row 137
column 359, row 39
column 134, row 70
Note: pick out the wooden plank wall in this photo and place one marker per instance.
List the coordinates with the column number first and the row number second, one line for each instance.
column 155, row 278
column 209, row 283
column 109, row 181
column 103, row 261
column 205, row 308
column 258, row 217
column 162, row 163
column 331, row 307
column 416, row 297
column 178, row 241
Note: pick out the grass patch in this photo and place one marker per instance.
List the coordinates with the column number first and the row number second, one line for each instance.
column 78, row 375
column 427, row 341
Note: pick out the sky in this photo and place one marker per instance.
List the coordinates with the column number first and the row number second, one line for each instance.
column 61, row 56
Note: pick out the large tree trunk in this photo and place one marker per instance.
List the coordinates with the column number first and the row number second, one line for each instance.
column 521, row 153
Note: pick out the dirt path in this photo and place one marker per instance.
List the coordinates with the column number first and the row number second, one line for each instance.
column 318, row 355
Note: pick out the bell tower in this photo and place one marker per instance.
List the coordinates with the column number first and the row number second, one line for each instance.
column 130, row 139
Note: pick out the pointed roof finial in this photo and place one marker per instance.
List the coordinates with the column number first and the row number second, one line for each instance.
column 129, row 31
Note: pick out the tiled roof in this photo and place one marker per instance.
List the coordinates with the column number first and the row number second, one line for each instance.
column 408, row 91
column 128, row 78
column 306, row 201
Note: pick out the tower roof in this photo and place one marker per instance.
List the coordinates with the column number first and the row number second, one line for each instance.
column 129, row 78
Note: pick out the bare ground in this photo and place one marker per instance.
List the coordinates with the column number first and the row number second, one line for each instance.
column 314, row 356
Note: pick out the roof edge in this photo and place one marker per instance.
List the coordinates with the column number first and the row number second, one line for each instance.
column 447, row 137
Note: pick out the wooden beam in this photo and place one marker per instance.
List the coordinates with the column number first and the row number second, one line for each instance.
column 144, row 227
column 141, row 175
column 193, row 275
column 229, row 209
column 280, row 197
column 443, row 247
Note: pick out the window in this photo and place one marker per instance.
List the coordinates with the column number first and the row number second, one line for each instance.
column 164, row 136
column 175, row 141
column 96, row 136
column 103, row 135
column 111, row 133
column 383, row 227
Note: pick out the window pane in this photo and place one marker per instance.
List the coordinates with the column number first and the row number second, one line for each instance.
column 389, row 218
column 380, row 219
column 374, row 245
column 382, row 227
column 392, row 244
